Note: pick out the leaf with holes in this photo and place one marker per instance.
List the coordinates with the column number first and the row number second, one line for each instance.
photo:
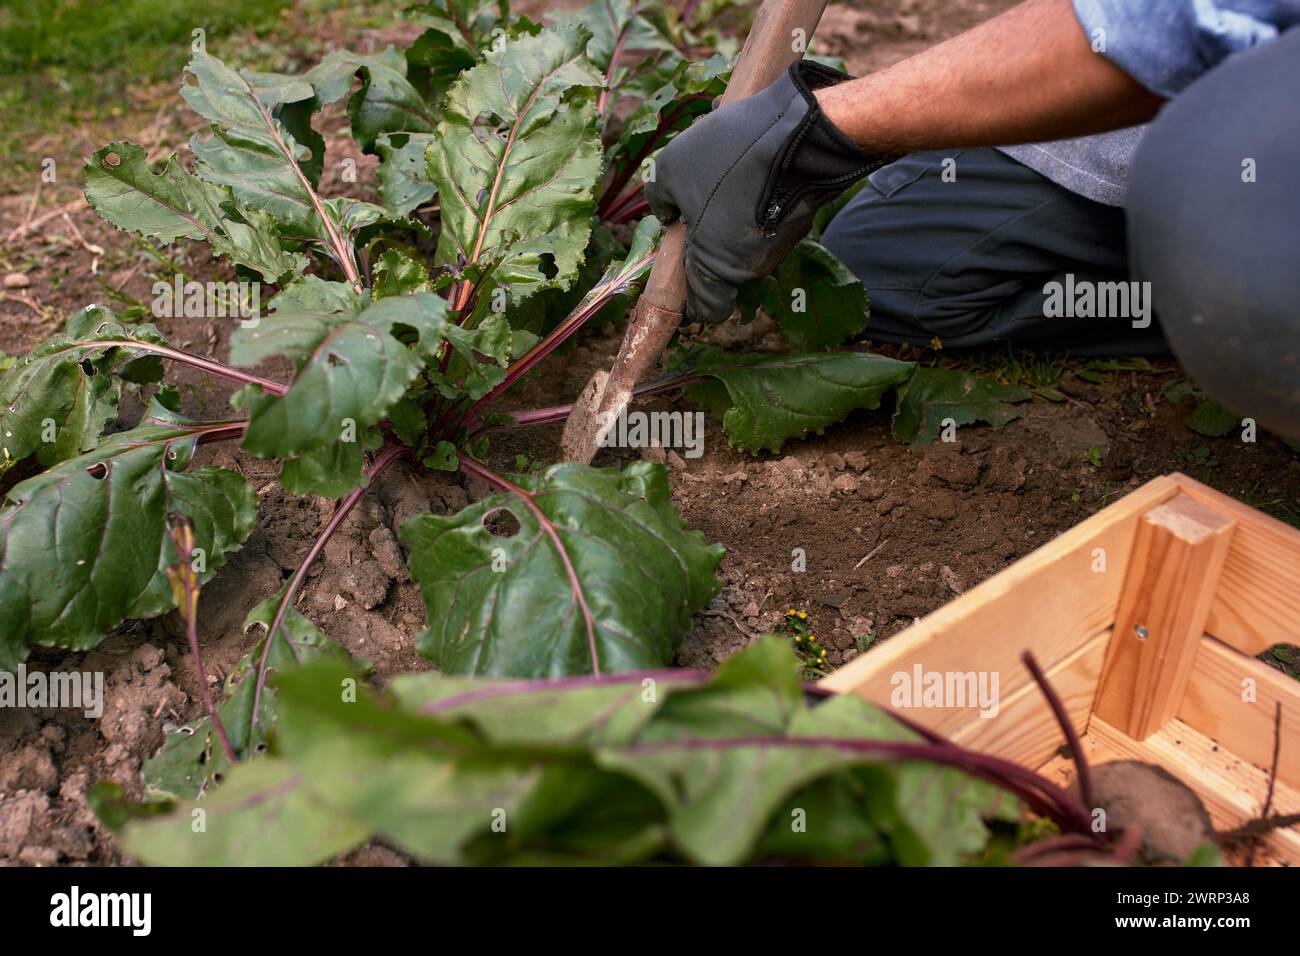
column 385, row 101
column 478, row 359
column 403, row 172
column 515, row 161
column 253, row 152
column 601, row 576
column 55, row 401
column 765, row 400
column 84, row 545
column 175, row 204
column 350, row 367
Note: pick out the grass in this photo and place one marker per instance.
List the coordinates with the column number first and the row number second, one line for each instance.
column 67, row 63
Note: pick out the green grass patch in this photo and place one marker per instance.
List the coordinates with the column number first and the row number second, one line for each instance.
column 68, row 63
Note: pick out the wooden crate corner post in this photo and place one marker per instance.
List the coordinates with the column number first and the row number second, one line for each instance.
column 1178, row 554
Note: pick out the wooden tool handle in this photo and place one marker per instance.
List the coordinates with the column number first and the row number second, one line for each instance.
column 781, row 32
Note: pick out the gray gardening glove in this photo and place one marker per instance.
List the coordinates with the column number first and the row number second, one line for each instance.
column 747, row 180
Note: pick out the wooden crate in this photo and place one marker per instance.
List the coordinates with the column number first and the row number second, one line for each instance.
column 1147, row 619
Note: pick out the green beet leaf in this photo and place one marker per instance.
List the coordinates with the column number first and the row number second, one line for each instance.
column 175, row 204
column 515, row 161
column 626, row 769
column 816, row 299
column 1212, row 419
column 601, row 576
column 685, row 92
column 934, row 395
column 85, row 545
column 264, row 814
column 467, row 25
column 55, row 401
column 765, row 400
column 255, row 154
column 623, row 25
column 350, row 368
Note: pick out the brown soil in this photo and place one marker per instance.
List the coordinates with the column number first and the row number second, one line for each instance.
column 935, row 522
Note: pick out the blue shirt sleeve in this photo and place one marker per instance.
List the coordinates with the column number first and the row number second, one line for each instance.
column 1165, row 44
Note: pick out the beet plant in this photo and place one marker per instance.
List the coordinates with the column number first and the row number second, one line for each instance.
column 516, row 153
column 495, row 134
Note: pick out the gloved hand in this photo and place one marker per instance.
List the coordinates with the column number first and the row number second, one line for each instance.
column 748, row 179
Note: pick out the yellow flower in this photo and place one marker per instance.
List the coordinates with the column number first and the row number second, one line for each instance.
column 803, row 615
column 790, row 613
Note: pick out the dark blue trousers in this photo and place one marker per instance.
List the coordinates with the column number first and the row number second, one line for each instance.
column 966, row 259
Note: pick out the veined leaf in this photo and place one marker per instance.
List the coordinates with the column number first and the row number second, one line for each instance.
column 386, row 102
column 55, row 401
column 265, row 814
column 816, row 299
column 625, row 769
column 601, row 575
column 559, row 712
column 254, row 153
column 603, row 262
column 398, row 274
column 687, row 91
column 515, row 160
column 390, row 768
column 175, row 204
column 84, row 545
column 313, row 294
column 934, row 395
column 466, row 374
column 332, row 470
column 468, row 24
column 766, row 400
column 403, row 172
column 939, row 811
column 624, row 25
column 350, row 367
column 390, row 116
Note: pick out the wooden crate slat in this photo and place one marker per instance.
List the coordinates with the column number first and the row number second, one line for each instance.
column 1258, row 600
column 1050, row 602
column 1025, row 729
column 1214, row 706
column 1231, row 787
column 1178, row 553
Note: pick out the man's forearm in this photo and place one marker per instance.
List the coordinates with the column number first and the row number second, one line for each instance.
column 1029, row 75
